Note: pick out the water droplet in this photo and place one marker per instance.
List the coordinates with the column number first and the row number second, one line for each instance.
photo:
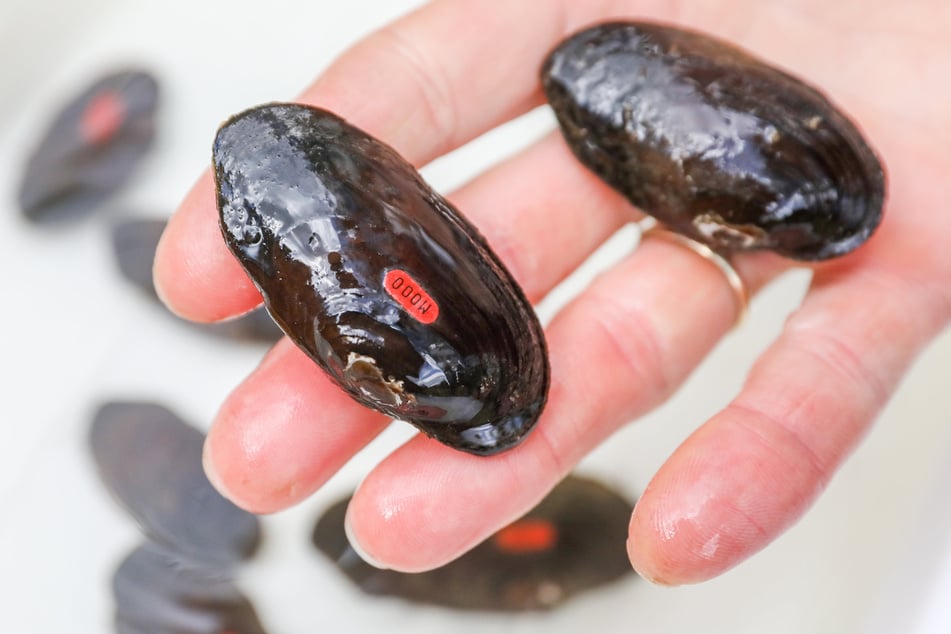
column 253, row 235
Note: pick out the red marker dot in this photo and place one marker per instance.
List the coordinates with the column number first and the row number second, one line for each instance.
column 410, row 295
column 102, row 118
column 526, row 536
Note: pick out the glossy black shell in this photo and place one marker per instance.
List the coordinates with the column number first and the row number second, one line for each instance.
column 319, row 214
column 713, row 142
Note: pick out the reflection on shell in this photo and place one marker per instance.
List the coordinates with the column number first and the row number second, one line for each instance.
column 713, row 142
column 378, row 278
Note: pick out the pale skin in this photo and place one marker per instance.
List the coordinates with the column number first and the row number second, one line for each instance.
column 625, row 344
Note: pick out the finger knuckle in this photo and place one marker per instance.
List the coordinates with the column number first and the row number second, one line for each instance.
column 635, row 343
column 429, row 79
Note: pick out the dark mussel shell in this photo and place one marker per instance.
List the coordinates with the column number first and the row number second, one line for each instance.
column 134, row 242
column 92, row 147
column 713, row 142
column 572, row 542
column 151, row 461
column 156, row 592
column 378, row 278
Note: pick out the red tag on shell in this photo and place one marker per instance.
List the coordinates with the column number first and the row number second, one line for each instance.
column 102, row 118
column 527, row 535
column 410, row 295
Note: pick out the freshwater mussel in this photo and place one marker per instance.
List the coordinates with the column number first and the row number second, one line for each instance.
column 378, row 278
column 91, row 148
column 571, row 543
column 157, row 592
column 713, row 142
column 182, row 578
column 150, row 459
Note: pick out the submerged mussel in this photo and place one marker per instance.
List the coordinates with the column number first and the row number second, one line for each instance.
column 150, row 460
column 713, row 142
column 91, row 148
column 378, row 278
column 571, row 543
column 155, row 591
column 182, row 579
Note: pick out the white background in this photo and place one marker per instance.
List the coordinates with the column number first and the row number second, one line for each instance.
column 868, row 558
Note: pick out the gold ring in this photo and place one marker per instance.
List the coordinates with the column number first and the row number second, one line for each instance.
column 650, row 228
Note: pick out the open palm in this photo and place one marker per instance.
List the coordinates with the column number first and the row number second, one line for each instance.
column 455, row 69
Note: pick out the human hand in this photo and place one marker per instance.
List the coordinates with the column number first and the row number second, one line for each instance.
column 627, row 342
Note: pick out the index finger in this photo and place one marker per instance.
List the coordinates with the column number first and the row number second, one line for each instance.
column 421, row 84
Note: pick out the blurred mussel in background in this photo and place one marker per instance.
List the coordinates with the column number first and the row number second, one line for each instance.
column 158, row 592
column 91, row 148
column 182, row 578
column 572, row 542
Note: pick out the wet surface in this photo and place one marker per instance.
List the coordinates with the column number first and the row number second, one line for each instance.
column 713, row 142
column 378, row 278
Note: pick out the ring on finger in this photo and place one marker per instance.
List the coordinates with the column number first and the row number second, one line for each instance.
column 650, row 228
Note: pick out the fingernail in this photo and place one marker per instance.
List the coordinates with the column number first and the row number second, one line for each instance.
column 657, row 581
column 160, row 292
column 156, row 278
column 211, row 473
column 357, row 548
